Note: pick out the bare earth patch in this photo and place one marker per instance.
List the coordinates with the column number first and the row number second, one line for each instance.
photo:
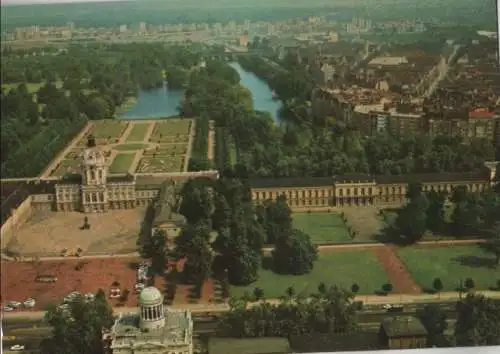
column 46, row 234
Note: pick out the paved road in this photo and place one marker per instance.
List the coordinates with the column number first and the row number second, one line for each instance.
column 353, row 246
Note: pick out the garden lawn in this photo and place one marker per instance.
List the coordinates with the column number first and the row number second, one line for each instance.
column 450, row 264
column 322, row 227
column 332, row 268
column 138, row 132
column 121, row 163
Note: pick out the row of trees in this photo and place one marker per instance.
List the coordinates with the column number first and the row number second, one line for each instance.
column 198, row 161
column 474, row 214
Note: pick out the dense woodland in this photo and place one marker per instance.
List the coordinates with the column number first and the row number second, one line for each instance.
column 47, row 95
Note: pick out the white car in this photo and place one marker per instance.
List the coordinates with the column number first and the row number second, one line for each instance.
column 29, row 303
column 7, row 309
column 387, row 306
column 89, row 297
column 14, row 304
column 17, row 347
column 115, row 293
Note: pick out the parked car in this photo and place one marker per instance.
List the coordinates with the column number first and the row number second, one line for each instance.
column 29, row 303
column 115, row 293
column 89, row 297
column 8, row 309
column 387, row 306
column 46, row 279
column 17, row 347
column 14, row 304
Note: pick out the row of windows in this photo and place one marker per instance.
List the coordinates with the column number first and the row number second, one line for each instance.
column 357, row 191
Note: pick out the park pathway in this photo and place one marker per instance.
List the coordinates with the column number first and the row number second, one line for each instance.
column 149, row 132
column 190, row 145
column 135, row 162
column 321, row 248
column 398, row 275
column 126, row 133
column 211, row 140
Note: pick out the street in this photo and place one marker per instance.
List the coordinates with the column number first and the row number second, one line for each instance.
column 31, row 332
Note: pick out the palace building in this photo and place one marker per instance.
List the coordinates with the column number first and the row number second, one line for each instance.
column 364, row 190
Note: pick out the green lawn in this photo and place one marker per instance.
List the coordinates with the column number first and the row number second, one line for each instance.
column 332, row 268
column 322, row 227
column 450, row 264
column 32, row 87
column 129, row 147
column 138, row 132
column 121, row 163
column 108, row 129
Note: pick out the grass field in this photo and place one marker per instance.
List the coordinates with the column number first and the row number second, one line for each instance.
column 322, row 227
column 332, row 268
column 121, row 163
column 129, row 147
column 450, row 264
column 138, row 132
column 108, row 129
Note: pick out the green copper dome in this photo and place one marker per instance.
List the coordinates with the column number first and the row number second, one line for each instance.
column 150, row 296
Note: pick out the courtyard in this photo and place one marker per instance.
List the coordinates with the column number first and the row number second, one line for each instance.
column 342, row 268
column 48, row 233
column 452, row 264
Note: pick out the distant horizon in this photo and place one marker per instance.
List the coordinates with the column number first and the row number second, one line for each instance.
column 44, row 2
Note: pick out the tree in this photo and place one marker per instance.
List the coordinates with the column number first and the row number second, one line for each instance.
column 478, row 321
column 411, row 220
column 258, row 293
column 355, row 288
column 492, row 244
column 78, row 328
column 469, row 284
column 437, row 284
column 434, row 321
column 322, row 288
column 294, row 253
column 435, row 211
column 290, row 292
column 387, row 287
column 221, row 218
column 194, row 244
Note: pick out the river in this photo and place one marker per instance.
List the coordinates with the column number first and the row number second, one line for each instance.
column 162, row 102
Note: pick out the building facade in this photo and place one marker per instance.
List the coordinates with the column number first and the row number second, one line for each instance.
column 405, row 332
column 154, row 329
column 96, row 190
column 358, row 190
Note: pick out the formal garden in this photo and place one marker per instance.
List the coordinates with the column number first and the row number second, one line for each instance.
column 108, row 130
column 138, row 132
column 122, row 163
column 171, row 131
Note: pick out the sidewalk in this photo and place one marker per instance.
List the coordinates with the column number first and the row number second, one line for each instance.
column 203, row 308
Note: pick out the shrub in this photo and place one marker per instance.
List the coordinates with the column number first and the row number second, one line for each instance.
column 469, row 283
column 387, row 287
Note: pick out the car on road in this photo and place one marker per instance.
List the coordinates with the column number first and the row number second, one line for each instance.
column 387, row 306
column 17, row 347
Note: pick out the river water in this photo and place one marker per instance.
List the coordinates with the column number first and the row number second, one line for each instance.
column 162, row 102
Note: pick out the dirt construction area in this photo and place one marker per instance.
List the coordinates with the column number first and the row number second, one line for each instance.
column 48, row 233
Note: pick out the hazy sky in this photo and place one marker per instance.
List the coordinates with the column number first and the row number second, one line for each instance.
column 11, row 2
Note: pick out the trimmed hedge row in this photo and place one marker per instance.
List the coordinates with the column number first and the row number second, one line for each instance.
column 198, row 160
